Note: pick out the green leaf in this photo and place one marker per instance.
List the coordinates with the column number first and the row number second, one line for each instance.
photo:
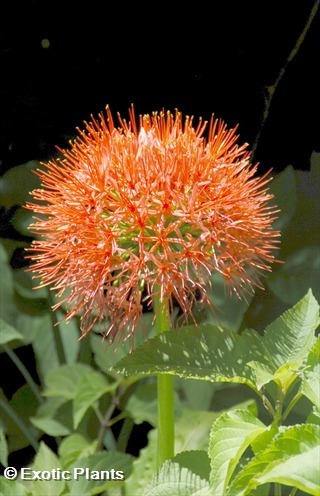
column 230, row 436
column 310, row 385
column 106, row 355
column 286, row 343
column 90, row 387
column 74, row 447
column 62, row 381
column 46, row 460
column 205, row 352
column 12, row 488
column 303, row 229
column 99, row 472
column 23, row 404
column 291, row 281
column 198, row 394
column 45, row 348
column 142, row 405
column 213, row 354
column 313, row 360
column 23, row 176
column 230, row 309
column 22, row 220
column 143, row 467
column 292, row 459
column 289, row 338
column 7, row 308
column 69, row 332
column 184, row 475
column 30, row 305
column 314, row 417
column 25, row 282
column 8, row 333
column 285, row 181
column 3, row 448
column 193, row 427
column 28, row 326
column 49, row 418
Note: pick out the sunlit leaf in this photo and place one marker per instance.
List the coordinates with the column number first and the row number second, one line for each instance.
column 292, row 459
column 205, row 352
column 193, row 427
column 230, row 436
column 314, row 417
column 287, row 342
column 213, row 354
column 192, row 431
column 310, row 386
column 184, row 475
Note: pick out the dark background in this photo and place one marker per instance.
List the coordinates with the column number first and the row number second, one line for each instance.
column 62, row 61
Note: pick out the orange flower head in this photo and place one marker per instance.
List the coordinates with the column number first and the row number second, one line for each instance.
column 145, row 208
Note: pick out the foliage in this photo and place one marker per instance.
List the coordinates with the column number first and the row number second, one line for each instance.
column 246, row 379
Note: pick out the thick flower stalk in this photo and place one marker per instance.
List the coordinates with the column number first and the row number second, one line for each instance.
column 149, row 209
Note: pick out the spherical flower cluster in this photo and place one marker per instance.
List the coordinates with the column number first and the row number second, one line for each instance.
column 145, row 208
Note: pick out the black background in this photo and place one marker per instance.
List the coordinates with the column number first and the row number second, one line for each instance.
column 202, row 58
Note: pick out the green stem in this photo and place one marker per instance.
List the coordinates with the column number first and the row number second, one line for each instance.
column 293, row 491
column 277, row 489
column 267, row 404
column 20, row 366
column 165, row 389
column 292, row 403
column 105, row 421
column 124, row 435
column 104, row 424
column 57, row 333
column 16, row 419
